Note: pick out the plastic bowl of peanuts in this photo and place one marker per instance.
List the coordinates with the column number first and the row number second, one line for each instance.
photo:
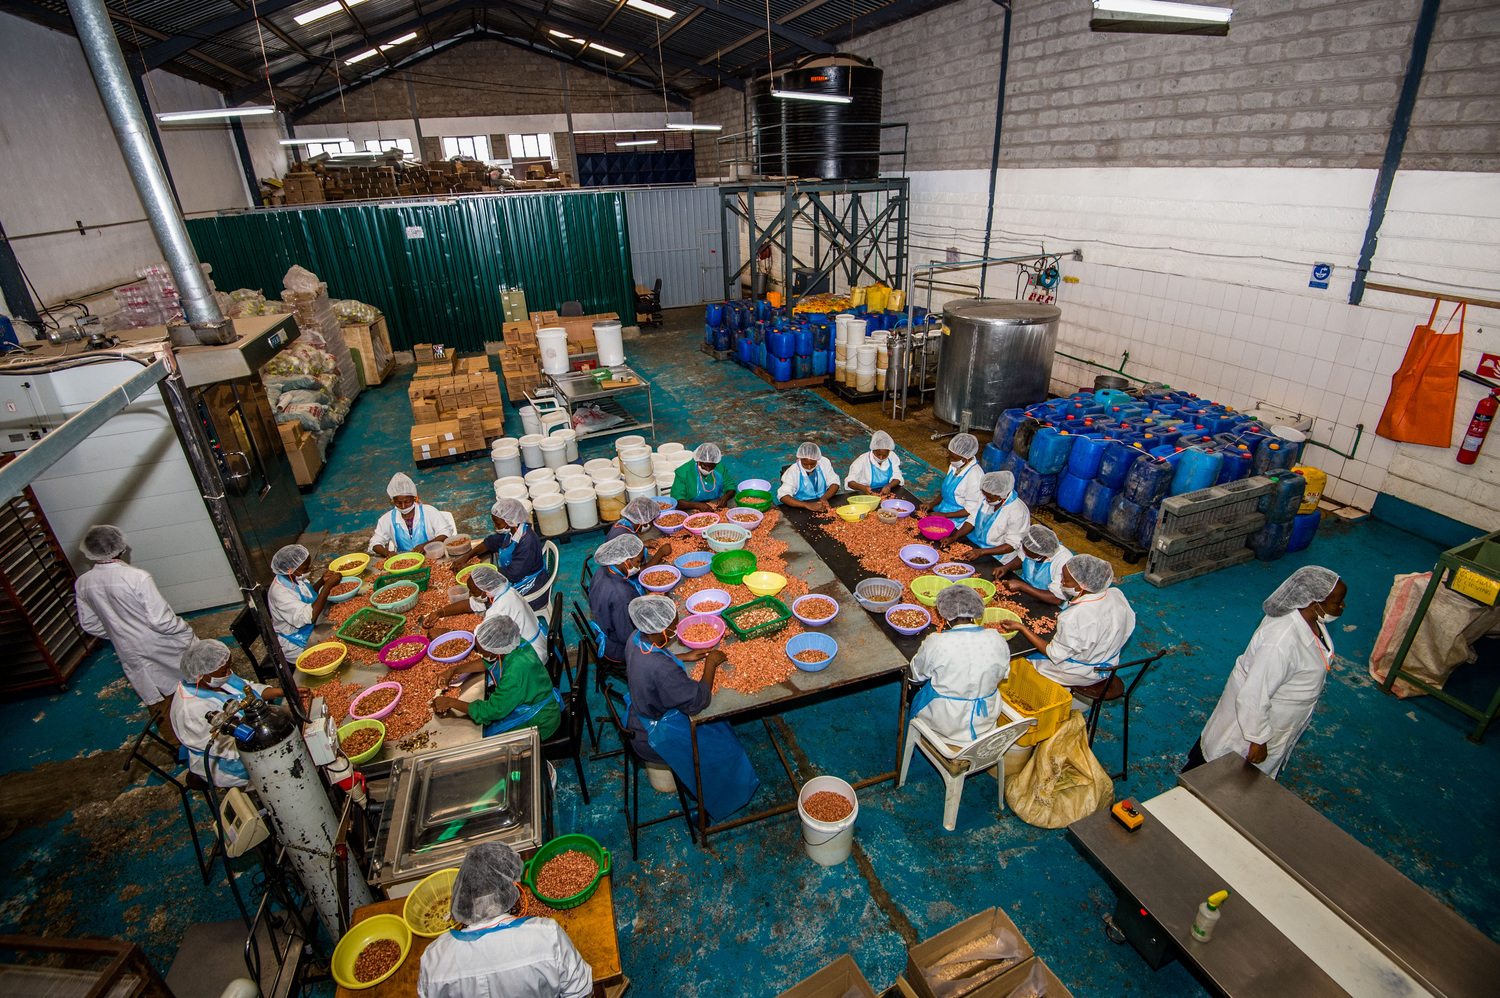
column 812, row 652
column 693, row 564
column 907, row 618
column 814, row 609
column 703, row 602
column 701, row 630
column 852, row 513
column 387, row 938
column 919, row 556
column 900, row 507
column 954, row 570
column 370, row 694
column 350, row 565
column 345, row 590
column 322, row 659
column 451, row 646
column 744, row 516
column 403, row 652
column 696, row 523
column 660, row 578
column 665, row 502
column 671, row 521
column 935, row 528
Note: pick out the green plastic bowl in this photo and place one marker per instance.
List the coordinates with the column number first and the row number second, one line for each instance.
column 348, row 729
column 561, row 844
column 758, row 501
column 731, row 567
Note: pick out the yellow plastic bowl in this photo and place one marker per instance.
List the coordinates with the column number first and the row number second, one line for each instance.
column 927, row 587
column 983, row 587
column 400, row 564
column 423, row 912
column 361, row 935
column 869, row 501
column 852, row 513
column 325, row 670
column 995, row 614
column 350, row 565
column 765, row 583
column 462, row 575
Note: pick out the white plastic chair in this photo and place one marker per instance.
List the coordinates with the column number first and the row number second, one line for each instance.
column 541, row 599
column 957, row 763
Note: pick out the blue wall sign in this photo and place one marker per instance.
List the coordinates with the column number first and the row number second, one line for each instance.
column 1320, row 274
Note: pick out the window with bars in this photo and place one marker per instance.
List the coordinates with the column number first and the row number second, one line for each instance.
column 530, row 147
column 468, row 146
column 381, row 145
column 331, row 148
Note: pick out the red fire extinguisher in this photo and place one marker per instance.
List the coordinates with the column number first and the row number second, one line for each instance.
column 1484, row 414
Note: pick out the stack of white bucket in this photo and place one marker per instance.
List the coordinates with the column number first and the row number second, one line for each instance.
column 841, row 347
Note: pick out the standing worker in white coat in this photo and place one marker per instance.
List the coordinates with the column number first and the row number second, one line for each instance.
column 1091, row 630
column 1269, row 699
column 963, row 666
column 996, row 527
column 495, row 954
column 809, row 481
column 876, row 472
column 121, row 603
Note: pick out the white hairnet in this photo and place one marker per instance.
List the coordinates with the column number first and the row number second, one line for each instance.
column 485, row 887
column 708, row 454
column 810, row 450
column 957, row 601
column 965, row 445
column 641, row 511
column 1307, row 585
column 1091, row 572
column 498, row 635
column 489, row 581
column 401, row 485
column 288, row 559
column 509, row 510
column 101, row 542
column 998, row 483
column 620, row 550
column 652, row 613
column 882, row 441
column 1041, row 539
column 203, row 658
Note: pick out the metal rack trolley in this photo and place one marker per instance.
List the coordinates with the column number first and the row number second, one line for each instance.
column 577, row 388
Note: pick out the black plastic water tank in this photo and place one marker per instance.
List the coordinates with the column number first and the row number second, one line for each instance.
column 830, row 140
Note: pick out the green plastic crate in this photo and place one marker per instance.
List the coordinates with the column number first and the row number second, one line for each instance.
column 784, row 615
column 397, row 622
column 421, row 577
column 731, row 567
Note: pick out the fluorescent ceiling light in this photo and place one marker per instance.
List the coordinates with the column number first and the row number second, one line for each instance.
column 674, row 127
column 638, row 142
column 209, row 113
column 367, row 53
column 665, row 13
column 601, row 48
column 809, row 95
column 324, row 10
column 563, row 35
column 308, row 142
column 1161, row 8
column 616, row 131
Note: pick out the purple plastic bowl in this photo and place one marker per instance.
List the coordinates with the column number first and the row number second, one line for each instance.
column 408, row 661
column 385, row 711
column 701, row 618
column 900, row 507
column 935, row 528
column 729, row 517
column 924, row 551
column 814, row 621
column 704, row 596
column 676, row 578
column 448, row 636
column 968, row 570
column 908, row 631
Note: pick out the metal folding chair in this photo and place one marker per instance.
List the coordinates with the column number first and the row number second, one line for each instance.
column 1106, row 691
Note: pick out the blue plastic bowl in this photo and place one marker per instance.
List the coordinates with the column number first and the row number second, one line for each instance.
column 665, row 502
column 682, row 560
column 810, row 641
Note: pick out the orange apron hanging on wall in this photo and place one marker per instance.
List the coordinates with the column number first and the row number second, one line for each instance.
column 1424, row 390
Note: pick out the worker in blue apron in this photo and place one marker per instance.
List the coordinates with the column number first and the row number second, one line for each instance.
column 705, row 482
column 495, row 954
column 1038, row 572
column 662, row 698
column 1091, row 630
column 410, row 524
column 295, row 603
column 635, row 519
column 207, row 685
column 877, row 472
column 519, row 693
column 961, row 495
column 515, row 547
column 963, row 666
column 810, row 481
column 611, row 591
column 995, row 528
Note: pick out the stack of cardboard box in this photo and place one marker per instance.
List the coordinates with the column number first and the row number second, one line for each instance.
column 520, row 360
column 456, row 403
column 302, row 187
column 301, row 452
column 580, row 328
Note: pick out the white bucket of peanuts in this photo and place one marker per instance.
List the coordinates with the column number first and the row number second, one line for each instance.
column 828, row 809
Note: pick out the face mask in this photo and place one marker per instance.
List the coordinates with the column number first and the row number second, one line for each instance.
column 991, row 506
column 1326, row 617
column 217, row 682
column 1071, row 593
column 632, row 572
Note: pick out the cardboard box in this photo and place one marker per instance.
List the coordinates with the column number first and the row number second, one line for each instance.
column 1002, row 986
column 838, row 979
column 305, row 461
column 446, row 430
column 424, row 411
column 422, row 352
column 291, row 434
column 931, row 952
column 474, row 365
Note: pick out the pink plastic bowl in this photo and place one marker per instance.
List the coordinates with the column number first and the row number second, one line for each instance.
column 385, row 711
column 410, row 660
column 697, row 529
column 701, row 618
column 935, row 528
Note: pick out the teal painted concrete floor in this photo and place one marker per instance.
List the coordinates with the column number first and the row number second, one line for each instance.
column 89, row 852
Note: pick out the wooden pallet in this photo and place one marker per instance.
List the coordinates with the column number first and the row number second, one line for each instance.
column 781, row 386
column 852, row 396
column 1130, row 550
column 437, row 462
column 716, row 354
column 366, row 338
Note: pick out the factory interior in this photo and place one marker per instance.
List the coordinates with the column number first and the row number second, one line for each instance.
column 916, row 498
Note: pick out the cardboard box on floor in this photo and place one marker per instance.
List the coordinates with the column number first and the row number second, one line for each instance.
column 291, row 434
column 304, row 459
column 1002, row 986
column 838, row 979
column 940, row 947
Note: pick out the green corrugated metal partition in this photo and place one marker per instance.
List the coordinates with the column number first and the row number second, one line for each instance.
column 443, row 287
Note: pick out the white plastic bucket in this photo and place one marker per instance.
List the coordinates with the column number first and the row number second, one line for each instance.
column 540, row 475
column 599, row 464
column 545, row 488
column 828, row 843
column 610, row 474
column 554, row 452
column 637, row 461
column 531, row 420
column 1016, row 758
column 507, row 462
column 531, row 450
column 856, row 330
column 501, row 483
column 610, row 343
column 551, row 514
column 628, row 441
column 553, row 341
column 641, row 491
column 569, row 472
column 664, row 480
column 670, row 447
column 583, row 510
column 512, row 492
column 611, row 499
column 679, row 458
column 659, row 774
column 503, row 442
column 865, row 359
column 570, row 437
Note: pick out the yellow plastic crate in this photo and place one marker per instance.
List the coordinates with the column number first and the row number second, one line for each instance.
column 1034, row 695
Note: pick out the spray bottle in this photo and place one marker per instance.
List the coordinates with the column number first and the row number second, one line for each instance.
column 1208, row 917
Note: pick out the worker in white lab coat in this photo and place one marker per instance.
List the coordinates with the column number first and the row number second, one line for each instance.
column 1038, row 571
column 963, row 666
column 1269, row 699
column 410, row 524
column 495, row 954
column 207, row 685
column 121, row 603
column 876, row 472
column 1091, row 630
column 960, row 495
column 296, row 604
column 995, row 528
column 809, row 481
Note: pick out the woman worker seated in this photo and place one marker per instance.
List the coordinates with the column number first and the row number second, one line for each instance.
column 495, row 954
column 294, row 602
column 411, row 524
column 662, row 698
column 877, row 472
column 961, row 494
column 1091, row 630
column 995, row 528
column 963, row 666
column 808, row 482
column 517, row 549
column 637, row 515
column 1268, row 701
column 1038, row 572
column 704, row 483
column 611, row 591
column 519, row 692
column 491, row 593
column 207, row 685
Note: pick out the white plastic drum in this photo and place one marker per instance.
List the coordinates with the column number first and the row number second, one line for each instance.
column 554, row 452
column 531, row 421
column 610, row 474
column 553, row 341
column 636, row 460
column 611, row 345
column 599, row 464
column 540, row 475
column 611, row 499
column 570, row 437
column 640, row 491
column 546, row 488
column 569, row 472
column 583, row 510
column 500, row 442
column 624, row 443
column 509, row 480
column 551, row 514
column 512, row 492
column 531, row 450
column 507, row 462
column 664, row 481
column 670, row 447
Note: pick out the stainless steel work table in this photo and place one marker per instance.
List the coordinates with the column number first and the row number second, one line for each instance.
column 1249, row 956
column 578, row 388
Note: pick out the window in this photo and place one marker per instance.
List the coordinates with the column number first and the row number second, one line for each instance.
column 468, row 146
column 381, row 145
column 332, row 148
column 533, row 147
